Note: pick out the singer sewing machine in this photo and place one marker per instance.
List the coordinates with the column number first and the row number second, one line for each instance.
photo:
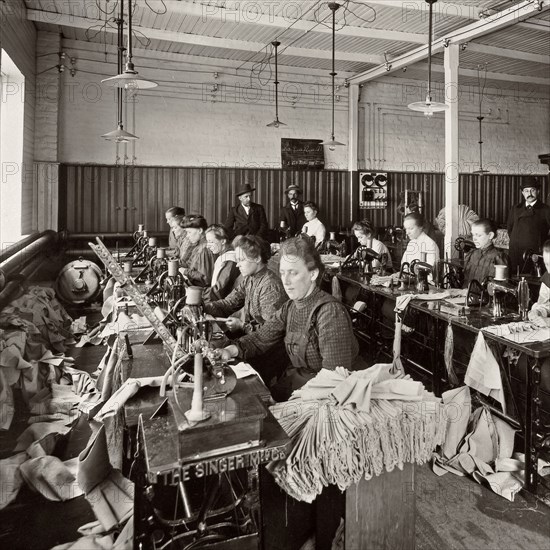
column 332, row 246
column 363, row 259
column 499, row 290
column 463, row 245
column 529, row 256
column 418, row 272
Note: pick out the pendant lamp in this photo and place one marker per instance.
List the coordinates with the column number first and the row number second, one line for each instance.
column 332, row 143
column 129, row 78
column 120, row 135
column 276, row 123
column 481, row 171
column 429, row 107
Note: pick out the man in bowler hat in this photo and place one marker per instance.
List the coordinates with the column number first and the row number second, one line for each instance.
column 247, row 218
column 528, row 223
column 293, row 213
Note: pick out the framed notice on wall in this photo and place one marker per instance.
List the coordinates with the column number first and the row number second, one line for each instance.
column 302, row 154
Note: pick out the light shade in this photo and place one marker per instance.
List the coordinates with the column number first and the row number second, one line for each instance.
column 120, row 135
column 332, row 143
column 428, row 107
column 275, row 124
column 129, row 80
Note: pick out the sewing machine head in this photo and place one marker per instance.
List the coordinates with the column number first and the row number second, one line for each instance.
column 463, row 245
column 448, row 274
column 421, row 270
column 499, row 290
column 536, row 259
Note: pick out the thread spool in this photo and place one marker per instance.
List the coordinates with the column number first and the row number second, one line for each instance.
column 140, row 227
column 501, row 272
column 193, row 296
column 332, row 236
column 196, row 413
column 173, row 266
column 128, row 266
column 145, row 233
column 152, row 241
column 161, row 252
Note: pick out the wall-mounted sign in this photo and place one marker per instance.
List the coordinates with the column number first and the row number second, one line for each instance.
column 302, row 154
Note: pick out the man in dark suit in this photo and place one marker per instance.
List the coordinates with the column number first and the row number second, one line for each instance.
column 293, row 213
column 528, row 224
column 247, row 218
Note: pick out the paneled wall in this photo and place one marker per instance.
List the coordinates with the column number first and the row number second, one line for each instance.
column 104, row 199
column 111, row 199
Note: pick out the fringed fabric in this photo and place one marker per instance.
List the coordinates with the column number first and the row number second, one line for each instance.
column 340, row 445
column 448, row 355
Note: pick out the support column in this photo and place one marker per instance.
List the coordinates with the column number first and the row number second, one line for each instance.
column 451, row 148
column 353, row 144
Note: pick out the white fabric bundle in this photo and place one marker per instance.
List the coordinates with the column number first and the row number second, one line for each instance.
column 346, row 426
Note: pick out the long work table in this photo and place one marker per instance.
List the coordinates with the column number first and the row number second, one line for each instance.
column 524, row 366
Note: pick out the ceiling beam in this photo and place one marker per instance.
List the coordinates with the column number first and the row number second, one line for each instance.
column 540, row 25
column 498, row 21
column 445, row 9
column 511, row 54
column 220, row 66
column 201, row 40
column 497, row 76
column 247, row 13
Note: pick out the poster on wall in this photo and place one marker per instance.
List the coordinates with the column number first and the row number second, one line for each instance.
column 302, row 154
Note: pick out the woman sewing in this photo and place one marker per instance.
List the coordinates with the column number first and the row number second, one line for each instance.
column 225, row 271
column 480, row 262
column 198, row 268
column 364, row 232
column 314, row 326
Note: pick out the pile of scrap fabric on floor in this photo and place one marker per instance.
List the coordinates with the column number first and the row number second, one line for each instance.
column 346, row 426
column 34, row 335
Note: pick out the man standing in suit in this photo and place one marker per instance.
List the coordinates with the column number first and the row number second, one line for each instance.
column 293, row 213
column 528, row 224
column 247, row 218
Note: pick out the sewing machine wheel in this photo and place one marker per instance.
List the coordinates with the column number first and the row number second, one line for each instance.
column 454, row 278
column 477, row 295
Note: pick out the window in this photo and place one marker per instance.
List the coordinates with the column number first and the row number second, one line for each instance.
column 12, row 107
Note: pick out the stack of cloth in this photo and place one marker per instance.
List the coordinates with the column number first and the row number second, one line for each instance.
column 346, row 426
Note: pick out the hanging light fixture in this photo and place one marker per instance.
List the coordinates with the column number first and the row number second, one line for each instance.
column 129, row 78
column 481, row 171
column 276, row 123
column 332, row 143
column 429, row 107
column 120, row 135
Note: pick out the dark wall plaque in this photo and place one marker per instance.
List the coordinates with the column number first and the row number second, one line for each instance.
column 302, row 154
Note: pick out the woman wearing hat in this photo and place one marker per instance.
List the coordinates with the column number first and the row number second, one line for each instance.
column 528, row 223
column 247, row 218
column 293, row 213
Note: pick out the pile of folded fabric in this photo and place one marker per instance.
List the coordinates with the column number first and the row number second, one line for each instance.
column 346, row 426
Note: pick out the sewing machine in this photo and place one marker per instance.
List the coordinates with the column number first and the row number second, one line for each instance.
column 499, row 290
column 463, row 245
column 332, row 246
column 363, row 258
column 417, row 271
column 448, row 274
column 529, row 256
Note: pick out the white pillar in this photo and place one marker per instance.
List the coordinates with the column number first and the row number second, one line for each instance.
column 451, row 148
column 353, row 142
